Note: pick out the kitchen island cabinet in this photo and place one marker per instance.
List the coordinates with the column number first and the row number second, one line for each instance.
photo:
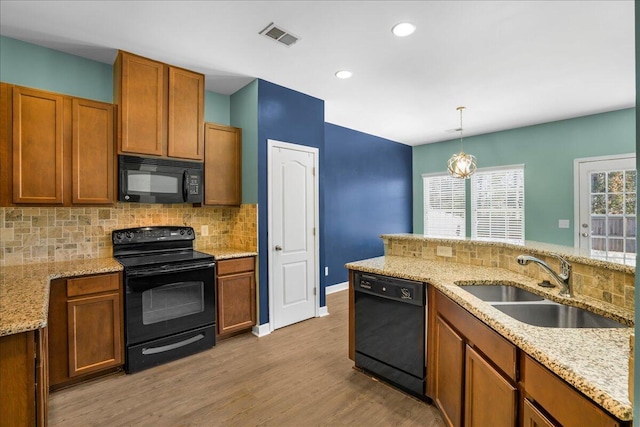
column 56, row 150
column 236, row 294
column 475, row 352
column 474, row 371
column 161, row 108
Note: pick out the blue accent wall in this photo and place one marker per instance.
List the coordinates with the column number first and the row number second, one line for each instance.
column 368, row 192
column 288, row 116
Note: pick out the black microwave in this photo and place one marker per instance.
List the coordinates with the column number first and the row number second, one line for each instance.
column 147, row 180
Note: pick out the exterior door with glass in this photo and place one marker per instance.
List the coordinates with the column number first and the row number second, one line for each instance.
column 606, row 207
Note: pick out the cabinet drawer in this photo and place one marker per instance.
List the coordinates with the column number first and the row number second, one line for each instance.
column 500, row 351
column 559, row 399
column 237, row 265
column 92, row 284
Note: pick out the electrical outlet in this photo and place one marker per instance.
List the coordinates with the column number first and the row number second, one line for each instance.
column 326, row 271
column 563, row 223
column 204, row 230
column 445, row 251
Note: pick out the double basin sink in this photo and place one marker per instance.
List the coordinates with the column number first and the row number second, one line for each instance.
column 533, row 309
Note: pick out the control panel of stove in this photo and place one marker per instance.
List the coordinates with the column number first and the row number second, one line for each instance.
column 152, row 234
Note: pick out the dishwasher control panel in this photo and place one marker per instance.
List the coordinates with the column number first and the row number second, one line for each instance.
column 390, row 287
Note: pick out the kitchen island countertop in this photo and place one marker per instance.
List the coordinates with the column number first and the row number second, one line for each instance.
column 594, row 361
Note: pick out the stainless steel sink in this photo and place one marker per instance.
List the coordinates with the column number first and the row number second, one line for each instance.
column 501, row 293
column 554, row 315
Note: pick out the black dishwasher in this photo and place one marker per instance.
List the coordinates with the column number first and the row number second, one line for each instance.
column 390, row 330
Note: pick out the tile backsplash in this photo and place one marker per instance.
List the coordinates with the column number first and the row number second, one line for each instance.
column 44, row 234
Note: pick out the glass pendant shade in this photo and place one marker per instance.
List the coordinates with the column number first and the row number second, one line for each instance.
column 462, row 165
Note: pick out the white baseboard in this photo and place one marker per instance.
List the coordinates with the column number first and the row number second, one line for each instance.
column 324, row 311
column 261, row 330
column 336, row 288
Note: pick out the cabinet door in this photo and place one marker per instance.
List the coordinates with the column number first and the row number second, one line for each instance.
column 490, row 400
column 17, row 380
column 37, row 147
column 531, row 417
column 92, row 153
column 94, row 333
column 186, row 114
column 236, row 302
column 141, row 98
column 222, row 165
column 449, row 372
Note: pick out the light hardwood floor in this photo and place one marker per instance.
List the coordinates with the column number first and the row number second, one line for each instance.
column 297, row 376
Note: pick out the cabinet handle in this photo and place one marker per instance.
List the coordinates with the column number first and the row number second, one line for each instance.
column 278, row 248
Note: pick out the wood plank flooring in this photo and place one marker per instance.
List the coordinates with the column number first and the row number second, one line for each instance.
column 297, row 376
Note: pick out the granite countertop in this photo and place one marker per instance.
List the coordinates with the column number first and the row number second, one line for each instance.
column 227, row 253
column 594, row 361
column 24, row 289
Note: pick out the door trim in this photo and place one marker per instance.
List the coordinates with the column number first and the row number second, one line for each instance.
column 576, row 187
column 271, row 144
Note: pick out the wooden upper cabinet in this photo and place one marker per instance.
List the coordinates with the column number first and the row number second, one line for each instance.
column 38, row 147
column 161, row 108
column 140, row 92
column 186, row 114
column 223, row 165
column 93, row 153
column 56, row 150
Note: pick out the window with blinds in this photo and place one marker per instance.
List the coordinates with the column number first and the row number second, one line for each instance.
column 444, row 206
column 497, row 204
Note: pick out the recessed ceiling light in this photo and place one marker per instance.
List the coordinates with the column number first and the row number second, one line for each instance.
column 343, row 74
column 403, row 29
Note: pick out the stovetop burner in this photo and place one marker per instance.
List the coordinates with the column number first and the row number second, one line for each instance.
column 157, row 245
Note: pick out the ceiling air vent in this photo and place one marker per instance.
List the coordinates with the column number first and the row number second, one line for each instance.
column 279, row 34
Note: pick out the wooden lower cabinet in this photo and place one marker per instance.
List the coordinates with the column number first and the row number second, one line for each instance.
column 448, row 371
column 489, row 399
column 23, row 379
column 85, row 327
column 564, row 404
column 474, row 369
column 532, row 417
column 236, row 294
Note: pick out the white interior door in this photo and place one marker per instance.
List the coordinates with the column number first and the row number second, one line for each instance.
column 293, row 244
column 606, row 218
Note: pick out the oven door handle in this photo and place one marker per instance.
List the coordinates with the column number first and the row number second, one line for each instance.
column 162, row 349
column 157, row 271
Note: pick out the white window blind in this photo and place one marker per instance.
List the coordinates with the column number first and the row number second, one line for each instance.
column 497, row 204
column 444, row 206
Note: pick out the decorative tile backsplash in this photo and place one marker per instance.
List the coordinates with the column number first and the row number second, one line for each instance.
column 614, row 287
column 43, row 234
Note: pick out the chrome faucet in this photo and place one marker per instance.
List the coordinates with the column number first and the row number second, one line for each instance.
column 563, row 279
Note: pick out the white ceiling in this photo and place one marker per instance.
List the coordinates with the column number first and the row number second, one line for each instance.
column 511, row 63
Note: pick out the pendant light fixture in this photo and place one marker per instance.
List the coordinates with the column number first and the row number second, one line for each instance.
column 461, row 165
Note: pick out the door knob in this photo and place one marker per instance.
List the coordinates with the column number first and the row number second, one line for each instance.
column 278, row 248
column 585, row 234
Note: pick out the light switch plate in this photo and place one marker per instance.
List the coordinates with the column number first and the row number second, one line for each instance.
column 326, row 271
column 563, row 223
column 445, row 251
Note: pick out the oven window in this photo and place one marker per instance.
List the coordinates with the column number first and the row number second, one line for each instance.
column 172, row 301
column 145, row 182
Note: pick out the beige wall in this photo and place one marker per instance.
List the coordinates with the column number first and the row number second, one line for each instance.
column 31, row 235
